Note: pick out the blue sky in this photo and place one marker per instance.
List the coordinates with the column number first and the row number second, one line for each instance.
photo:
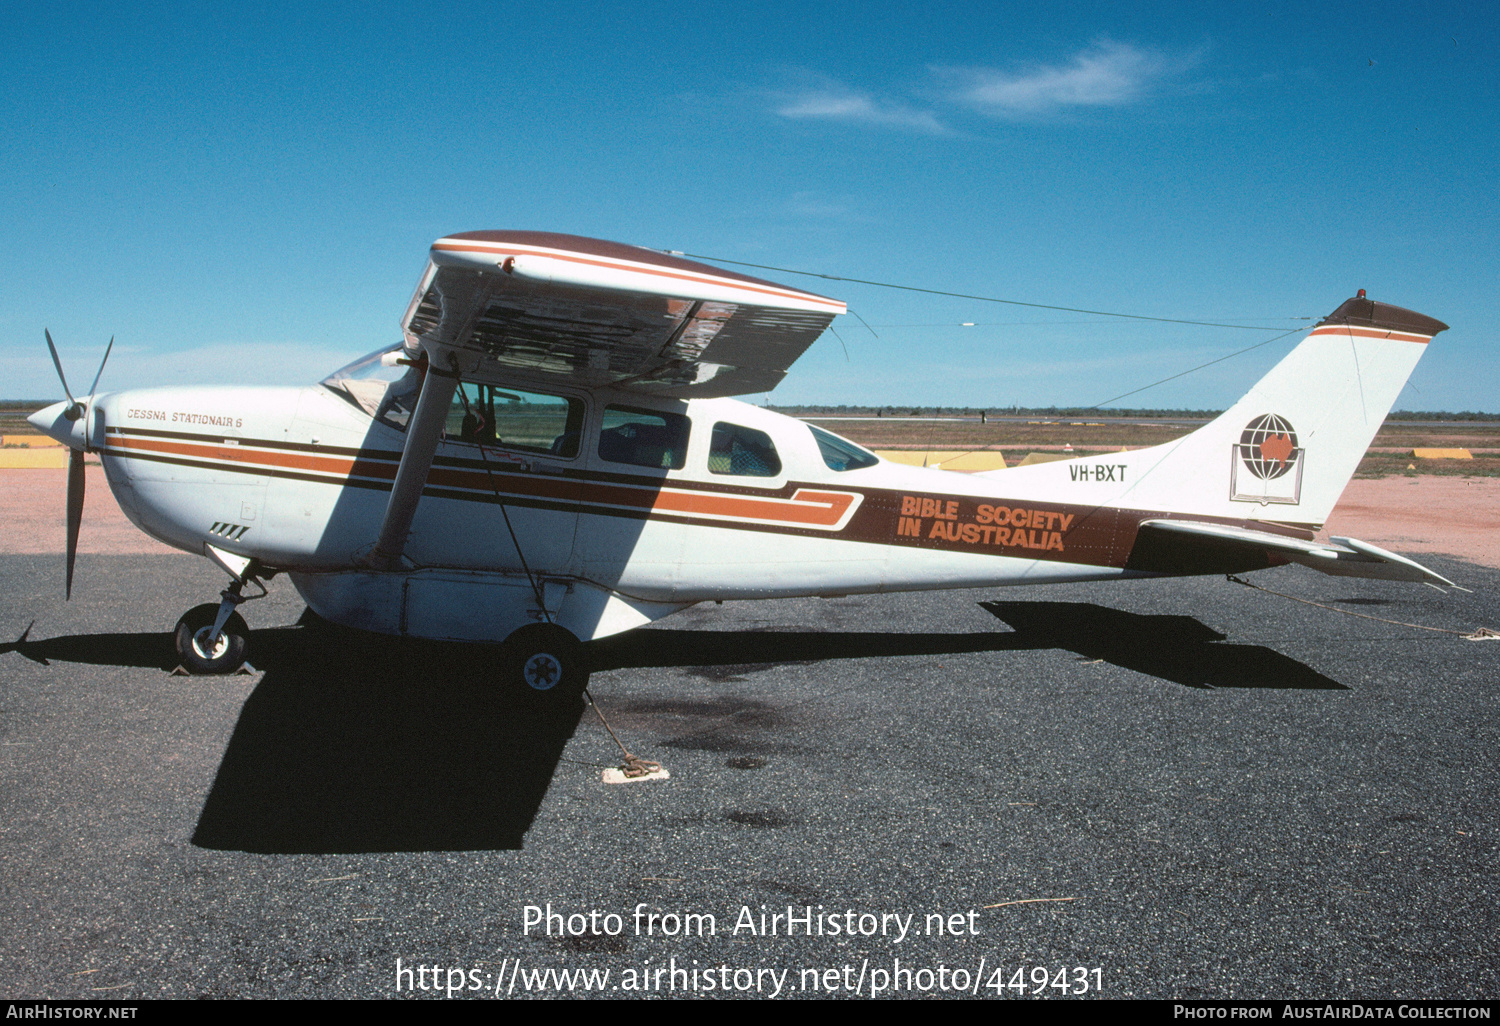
column 246, row 193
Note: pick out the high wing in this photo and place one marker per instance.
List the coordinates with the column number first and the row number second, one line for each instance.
column 593, row 313
column 570, row 310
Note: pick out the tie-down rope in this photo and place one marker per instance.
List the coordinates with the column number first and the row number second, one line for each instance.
column 1478, row 634
column 633, row 765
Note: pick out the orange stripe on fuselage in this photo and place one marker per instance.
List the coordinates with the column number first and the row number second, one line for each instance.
column 825, row 509
column 807, row 507
column 341, row 465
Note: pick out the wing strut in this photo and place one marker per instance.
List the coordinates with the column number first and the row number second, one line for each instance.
column 423, row 432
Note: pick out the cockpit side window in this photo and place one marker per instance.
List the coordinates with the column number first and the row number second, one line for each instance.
column 743, row 451
column 644, row 438
column 840, row 453
column 512, row 418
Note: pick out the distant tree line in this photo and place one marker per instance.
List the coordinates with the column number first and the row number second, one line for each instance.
column 1466, row 415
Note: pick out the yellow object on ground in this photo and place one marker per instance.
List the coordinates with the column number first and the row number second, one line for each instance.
column 1443, row 454
column 30, row 441
column 1048, row 457
column 54, row 458
column 956, row 459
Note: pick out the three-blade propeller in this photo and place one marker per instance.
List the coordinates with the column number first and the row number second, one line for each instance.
column 74, row 411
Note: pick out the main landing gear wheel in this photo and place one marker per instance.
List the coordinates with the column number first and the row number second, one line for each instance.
column 546, row 664
column 226, row 655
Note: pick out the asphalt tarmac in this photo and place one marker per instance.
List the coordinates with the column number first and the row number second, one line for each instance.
column 1168, row 789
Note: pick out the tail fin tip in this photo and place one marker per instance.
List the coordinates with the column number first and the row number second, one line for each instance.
column 1361, row 312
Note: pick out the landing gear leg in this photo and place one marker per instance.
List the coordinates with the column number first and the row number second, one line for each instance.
column 230, row 597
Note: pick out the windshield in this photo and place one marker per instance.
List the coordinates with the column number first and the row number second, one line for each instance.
column 386, row 393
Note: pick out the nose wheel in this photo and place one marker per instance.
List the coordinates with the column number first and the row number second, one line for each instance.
column 200, row 651
column 214, row 638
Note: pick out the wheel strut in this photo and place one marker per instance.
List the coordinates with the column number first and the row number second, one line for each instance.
column 230, row 597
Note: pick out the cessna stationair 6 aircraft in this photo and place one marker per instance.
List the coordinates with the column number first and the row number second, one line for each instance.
column 551, row 456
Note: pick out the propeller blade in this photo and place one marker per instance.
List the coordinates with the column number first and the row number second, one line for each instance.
column 75, row 510
column 95, row 386
column 88, row 428
column 58, row 364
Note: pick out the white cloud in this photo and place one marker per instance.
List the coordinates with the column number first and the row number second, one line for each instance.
column 1107, row 74
column 812, row 205
column 834, row 102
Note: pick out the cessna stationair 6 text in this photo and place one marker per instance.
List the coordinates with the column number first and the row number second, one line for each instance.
column 550, row 456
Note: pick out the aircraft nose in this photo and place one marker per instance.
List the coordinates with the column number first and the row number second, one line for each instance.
column 53, row 422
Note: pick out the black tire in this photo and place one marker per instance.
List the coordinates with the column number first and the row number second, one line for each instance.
column 546, row 665
column 227, row 656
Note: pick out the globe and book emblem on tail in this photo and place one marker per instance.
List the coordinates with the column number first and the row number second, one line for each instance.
column 1268, row 446
column 1266, row 462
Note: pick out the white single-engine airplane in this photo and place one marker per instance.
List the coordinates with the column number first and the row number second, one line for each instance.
column 550, row 457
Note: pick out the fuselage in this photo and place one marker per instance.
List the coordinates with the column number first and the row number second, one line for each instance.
column 297, row 479
column 638, row 506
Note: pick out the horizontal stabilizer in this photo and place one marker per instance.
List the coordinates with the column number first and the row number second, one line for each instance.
column 1340, row 557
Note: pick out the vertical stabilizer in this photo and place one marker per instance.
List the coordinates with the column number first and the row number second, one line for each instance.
column 1287, row 449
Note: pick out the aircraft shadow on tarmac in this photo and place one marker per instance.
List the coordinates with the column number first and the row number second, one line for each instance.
column 352, row 742
column 1180, row 649
column 359, row 744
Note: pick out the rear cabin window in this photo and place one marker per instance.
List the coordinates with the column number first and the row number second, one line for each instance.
column 743, row 451
column 840, row 453
column 510, row 418
column 644, row 438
